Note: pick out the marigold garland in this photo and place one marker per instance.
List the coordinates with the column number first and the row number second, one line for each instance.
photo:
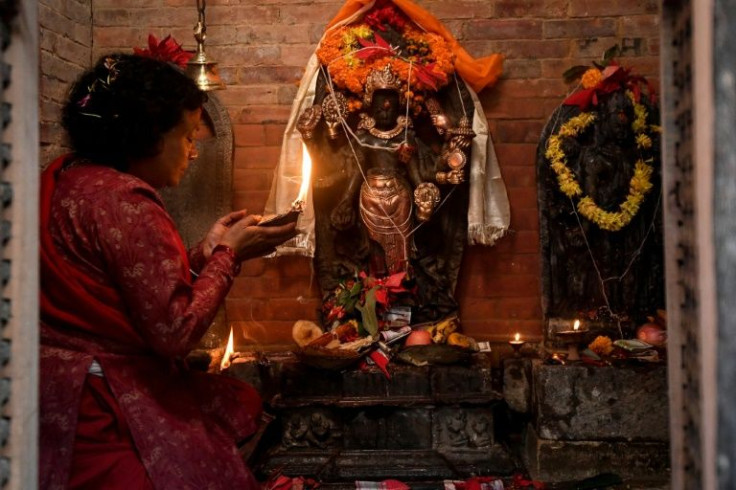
column 602, row 345
column 591, row 78
column 639, row 185
column 338, row 48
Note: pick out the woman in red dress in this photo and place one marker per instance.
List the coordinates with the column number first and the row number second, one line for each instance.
column 122, row 301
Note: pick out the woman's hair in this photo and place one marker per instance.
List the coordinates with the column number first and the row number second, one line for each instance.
column 119, row 110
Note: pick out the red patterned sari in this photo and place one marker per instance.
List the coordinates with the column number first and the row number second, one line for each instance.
column 117, row 297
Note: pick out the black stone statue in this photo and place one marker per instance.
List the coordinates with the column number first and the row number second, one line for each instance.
column 574, row 248
column 390, row 189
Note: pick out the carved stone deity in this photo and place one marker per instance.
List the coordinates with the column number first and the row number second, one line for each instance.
column 390, row 188
column 585, row 266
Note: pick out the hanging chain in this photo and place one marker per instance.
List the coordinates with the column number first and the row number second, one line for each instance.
column 201, row 5
column 200, row 30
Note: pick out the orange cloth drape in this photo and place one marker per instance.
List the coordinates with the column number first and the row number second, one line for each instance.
column 478, row 73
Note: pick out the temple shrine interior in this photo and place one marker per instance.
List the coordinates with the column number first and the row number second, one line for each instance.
column 496, row 279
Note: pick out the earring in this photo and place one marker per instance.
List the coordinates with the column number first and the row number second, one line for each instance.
column 194, row 152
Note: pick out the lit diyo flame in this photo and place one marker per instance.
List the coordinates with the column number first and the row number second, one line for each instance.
column 306, row 176
column 228, row 352
column 576, row 325
column 517, row 337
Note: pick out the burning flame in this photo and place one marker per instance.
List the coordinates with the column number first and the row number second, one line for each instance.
column 517, row 337
column 306, row 175
column 228, row 352
column 576, row 325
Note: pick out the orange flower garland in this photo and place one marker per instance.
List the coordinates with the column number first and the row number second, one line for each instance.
column 591, row 78
column 338, row 49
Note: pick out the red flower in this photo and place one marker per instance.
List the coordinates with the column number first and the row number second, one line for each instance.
column 371, row 50
column 394, row 282
column 336, row 313
column 382, row 296
column 380, row 17
column 614, row 77
column 167, row 50
column 428, row 76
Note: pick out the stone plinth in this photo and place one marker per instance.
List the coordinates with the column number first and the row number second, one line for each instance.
column 425, row 423
column 588, row 420
column 601, row 403
column 553, row 460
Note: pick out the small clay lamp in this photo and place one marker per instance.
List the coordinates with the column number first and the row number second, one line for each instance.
column 572, row 339
column 517, row 344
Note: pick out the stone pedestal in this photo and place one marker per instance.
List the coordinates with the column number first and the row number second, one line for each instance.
column 554, row 460
column 589, row 420
column 425, row 423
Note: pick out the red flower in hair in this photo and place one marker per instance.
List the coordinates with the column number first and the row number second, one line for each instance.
column 165, row 50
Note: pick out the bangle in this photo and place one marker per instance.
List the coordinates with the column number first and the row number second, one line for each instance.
column 231, row 253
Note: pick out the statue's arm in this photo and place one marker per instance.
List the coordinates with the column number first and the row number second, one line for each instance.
column 344, row 214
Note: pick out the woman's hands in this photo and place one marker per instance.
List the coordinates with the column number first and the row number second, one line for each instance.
column 240, row 232
column 219, row 229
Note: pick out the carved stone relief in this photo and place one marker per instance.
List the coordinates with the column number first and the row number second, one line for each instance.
column 314, row 429
column 463, row 428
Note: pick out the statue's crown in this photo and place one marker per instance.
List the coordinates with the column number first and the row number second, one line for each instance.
column 384, row 79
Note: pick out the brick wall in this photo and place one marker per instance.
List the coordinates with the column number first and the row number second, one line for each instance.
column 262, row 49
column 65, row 30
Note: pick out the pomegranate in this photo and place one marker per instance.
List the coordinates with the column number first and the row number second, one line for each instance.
column 418, row 337
column 652, row 333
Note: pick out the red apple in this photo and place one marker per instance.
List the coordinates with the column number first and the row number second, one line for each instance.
column 418, row 337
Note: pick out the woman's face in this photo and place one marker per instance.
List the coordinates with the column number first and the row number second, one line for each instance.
column 178, row 148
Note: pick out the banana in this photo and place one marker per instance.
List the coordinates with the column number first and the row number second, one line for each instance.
column 443, row 328
column 463, row 341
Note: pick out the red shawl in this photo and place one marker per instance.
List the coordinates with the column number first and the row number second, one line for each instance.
column 116, row 288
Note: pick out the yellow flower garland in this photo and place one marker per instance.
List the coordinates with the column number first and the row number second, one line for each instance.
column 639, row 185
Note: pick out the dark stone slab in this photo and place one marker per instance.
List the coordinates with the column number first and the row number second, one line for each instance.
column 337, row 466
column 601, row 403
column 308, row 463
column 409, row 429
column 386, row 428
column 556, row 461
column 493, row 460
column 379, row 465
column 517, row 384
column 366, row 430
column 285, row 382
column 370, row 383
column 409, row 381
column 472, row 381
column 299, row 381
